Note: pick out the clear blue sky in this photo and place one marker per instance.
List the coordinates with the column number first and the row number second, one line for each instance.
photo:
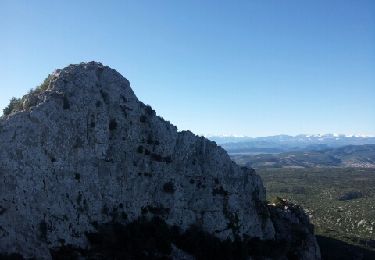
column 251, row 68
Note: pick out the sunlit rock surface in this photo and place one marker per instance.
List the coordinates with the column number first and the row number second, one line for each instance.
column 86, row 151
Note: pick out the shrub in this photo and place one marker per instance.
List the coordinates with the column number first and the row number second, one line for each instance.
column 350, row 195
column 14, row 105
column 150, row 111
column 45, row 84
column 17, row 104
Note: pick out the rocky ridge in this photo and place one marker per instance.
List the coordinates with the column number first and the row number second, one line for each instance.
column 85, row 151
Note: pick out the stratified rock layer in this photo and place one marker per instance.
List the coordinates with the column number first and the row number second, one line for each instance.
column 86, row 151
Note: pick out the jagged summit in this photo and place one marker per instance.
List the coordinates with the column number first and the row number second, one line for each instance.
column 83, row 151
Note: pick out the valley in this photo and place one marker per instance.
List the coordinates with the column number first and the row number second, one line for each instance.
column 340, row 203
column 335, row 185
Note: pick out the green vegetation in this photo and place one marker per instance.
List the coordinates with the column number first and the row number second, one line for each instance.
column 18, row 104
column 340, row 201
column 15, row 104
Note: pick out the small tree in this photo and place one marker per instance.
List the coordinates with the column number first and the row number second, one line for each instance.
column 15, row 104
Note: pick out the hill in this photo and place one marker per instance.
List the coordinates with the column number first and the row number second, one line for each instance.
column 347, row 156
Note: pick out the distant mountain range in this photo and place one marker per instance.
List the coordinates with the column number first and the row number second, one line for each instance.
column 346, row 156
column 287, row 143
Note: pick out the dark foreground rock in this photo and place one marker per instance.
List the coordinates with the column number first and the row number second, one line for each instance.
column 82, row 151
column 154, row 239
column 333, row 249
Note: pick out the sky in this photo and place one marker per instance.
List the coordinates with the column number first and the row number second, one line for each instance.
column 253, row 68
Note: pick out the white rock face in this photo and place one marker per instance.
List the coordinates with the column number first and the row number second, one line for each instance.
column 89, row 152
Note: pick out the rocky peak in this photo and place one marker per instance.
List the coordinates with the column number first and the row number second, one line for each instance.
column 83, row 151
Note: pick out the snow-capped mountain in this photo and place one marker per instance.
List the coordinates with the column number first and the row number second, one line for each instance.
column 284, row 143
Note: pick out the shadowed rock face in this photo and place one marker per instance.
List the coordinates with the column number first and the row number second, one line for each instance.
column 88, row 152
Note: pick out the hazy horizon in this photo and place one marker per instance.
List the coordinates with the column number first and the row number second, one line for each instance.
column 253, row 68
column 282, row 134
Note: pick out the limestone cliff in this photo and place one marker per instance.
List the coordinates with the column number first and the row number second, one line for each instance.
column 86, row 151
